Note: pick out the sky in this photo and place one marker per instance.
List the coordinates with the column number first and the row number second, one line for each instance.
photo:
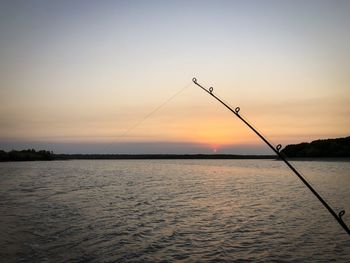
column 85, row 76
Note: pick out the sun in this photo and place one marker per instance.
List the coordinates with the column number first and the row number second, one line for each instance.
column 214, row 148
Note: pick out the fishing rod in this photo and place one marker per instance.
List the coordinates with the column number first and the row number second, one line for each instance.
column 338, row 217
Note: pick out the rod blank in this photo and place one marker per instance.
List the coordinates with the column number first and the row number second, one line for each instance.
column 337, row 217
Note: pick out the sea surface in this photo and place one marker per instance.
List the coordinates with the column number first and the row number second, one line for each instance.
column 172, row 211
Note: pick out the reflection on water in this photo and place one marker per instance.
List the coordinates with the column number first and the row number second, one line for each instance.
column 171, row 210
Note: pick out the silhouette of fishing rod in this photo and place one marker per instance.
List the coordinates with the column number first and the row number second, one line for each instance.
column 338, row 216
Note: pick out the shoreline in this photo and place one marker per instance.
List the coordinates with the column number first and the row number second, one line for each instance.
column 157, row 156
column 67, row 157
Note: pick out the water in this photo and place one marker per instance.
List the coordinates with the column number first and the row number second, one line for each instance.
column 171, row 210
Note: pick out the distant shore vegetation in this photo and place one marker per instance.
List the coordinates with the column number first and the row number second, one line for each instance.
column 339, row 147
column 26, row 155
column 328, row 148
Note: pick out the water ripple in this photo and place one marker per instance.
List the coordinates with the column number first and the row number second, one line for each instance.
column 170, row 210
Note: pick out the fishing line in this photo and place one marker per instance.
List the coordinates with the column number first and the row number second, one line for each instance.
column 154, row 110
column 276, row 149
column 147, row 116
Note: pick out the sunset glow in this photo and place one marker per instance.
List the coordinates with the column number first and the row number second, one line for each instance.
column 87, row 73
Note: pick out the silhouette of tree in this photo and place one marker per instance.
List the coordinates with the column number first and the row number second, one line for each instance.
column 339, row 147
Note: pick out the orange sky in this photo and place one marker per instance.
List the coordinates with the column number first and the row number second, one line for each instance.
column 89, row 72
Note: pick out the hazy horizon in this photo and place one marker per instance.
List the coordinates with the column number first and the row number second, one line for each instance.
column 137, row 148
column 75, row 76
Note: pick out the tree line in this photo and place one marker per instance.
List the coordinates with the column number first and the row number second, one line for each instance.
column 26, row 155
column 339, row 147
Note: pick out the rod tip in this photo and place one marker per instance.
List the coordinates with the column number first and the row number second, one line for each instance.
column 194, row 80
